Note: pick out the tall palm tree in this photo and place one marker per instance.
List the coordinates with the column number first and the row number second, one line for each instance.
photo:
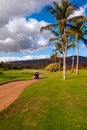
column 59, row 49
column 62, row 14
column 73, row 46
column 59, row 46
column 79, row 30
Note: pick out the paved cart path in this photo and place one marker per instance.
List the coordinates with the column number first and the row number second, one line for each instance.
column 9, row 92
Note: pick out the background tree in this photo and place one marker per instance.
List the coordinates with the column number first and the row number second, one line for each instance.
column 54, row 57
column 79, row 30
column 73, row 46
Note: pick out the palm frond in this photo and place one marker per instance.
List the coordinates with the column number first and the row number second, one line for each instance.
column 55, row 10
column 72, row 43
column 84, row 33
column 69, row 32
column 78, row 19
column 64, row 3
column 48, row 27
column 84, row 41
column 54, row 32
column 55, row 4
column 69, row 46
column 81, row 26
column 53, row 39
column 68, row 10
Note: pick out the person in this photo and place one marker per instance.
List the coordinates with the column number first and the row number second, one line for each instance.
column 36, row 75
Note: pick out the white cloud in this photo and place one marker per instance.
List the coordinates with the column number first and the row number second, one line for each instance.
column 19, row 35
column 29, row 57
column 83, row 46
column 81, row 11
column 19, row 8
column 43, row 42
column 23, row 36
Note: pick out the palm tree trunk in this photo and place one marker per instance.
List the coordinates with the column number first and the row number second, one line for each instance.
column 55, row 60
column 65, row 55
column 59, row 63
column 77, row 64
column 72, row 69
column 64, row 65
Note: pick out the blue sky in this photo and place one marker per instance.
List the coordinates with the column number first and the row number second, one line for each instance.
column 20, row 23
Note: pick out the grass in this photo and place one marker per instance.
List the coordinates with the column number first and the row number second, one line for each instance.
column 11, row 75
column 51, row 104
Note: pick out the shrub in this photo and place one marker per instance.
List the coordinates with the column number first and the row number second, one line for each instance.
column 52, row 67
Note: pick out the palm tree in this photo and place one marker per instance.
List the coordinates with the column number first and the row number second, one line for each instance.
column 62, row 15
column 78, row 29
column 73, row 46
column 59, row 47
column 54, row 57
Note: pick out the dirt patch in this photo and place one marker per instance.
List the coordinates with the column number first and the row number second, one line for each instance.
column 9, row 92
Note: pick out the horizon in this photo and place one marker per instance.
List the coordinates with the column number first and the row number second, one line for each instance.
column 20, row 60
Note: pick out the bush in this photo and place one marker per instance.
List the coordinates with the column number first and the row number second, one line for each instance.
column 52, row 67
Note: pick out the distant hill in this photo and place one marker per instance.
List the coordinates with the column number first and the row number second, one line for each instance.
column 82, row 60
column 41, row 63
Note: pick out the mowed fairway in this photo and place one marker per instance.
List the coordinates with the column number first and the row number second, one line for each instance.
column 51, row 104
column 11, row 75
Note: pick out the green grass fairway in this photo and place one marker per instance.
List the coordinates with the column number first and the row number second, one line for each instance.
column 11, row 75
column 51, row 104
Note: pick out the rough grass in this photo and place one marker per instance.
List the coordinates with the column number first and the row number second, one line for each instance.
column 51, row 104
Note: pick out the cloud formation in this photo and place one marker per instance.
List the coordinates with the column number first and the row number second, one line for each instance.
column 23, row 36
column 19, row 8
column 19, row 35
column 29, row 57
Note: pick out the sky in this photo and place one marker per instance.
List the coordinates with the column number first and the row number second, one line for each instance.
column 20, row 23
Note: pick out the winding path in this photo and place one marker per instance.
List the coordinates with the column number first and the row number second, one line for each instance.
column 9, row 92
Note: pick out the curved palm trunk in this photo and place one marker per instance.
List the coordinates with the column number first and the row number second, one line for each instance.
column 77, row 64
column 72, row 69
